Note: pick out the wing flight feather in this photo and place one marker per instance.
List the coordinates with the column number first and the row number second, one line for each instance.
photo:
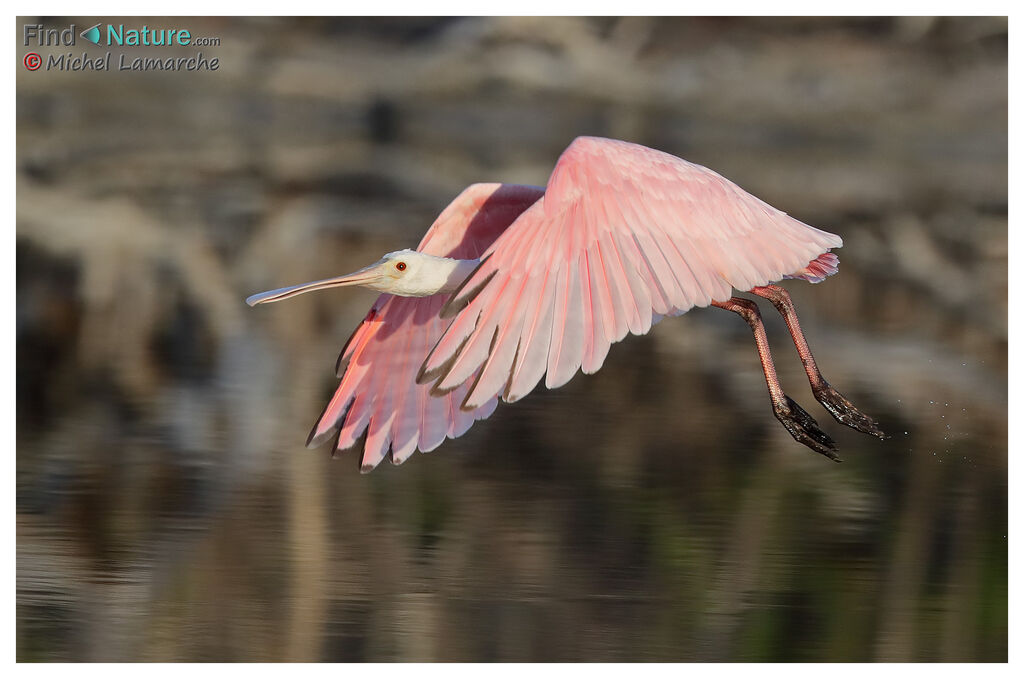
column 624, row 236
column 378, row 396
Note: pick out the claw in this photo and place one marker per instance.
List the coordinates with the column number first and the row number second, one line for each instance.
column 845, row 412
column 804, row 429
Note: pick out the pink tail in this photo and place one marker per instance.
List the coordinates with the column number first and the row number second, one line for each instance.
column 825, row 265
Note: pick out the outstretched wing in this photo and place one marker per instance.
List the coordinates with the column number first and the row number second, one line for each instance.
column 378, row 393
column 623, row 236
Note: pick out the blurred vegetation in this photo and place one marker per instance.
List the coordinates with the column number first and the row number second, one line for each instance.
column 166, row 509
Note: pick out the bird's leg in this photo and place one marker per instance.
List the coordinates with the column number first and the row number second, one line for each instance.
column 834, row 402
column 795, row 419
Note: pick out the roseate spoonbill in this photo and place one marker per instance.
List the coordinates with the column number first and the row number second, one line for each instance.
column 514, row 281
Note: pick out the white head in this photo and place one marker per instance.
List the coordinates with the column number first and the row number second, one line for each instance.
column 406, row 273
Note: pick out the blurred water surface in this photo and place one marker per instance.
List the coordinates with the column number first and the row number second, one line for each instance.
column 167, row 510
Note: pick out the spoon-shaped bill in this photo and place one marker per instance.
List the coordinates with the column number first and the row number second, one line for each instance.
column 362, row 277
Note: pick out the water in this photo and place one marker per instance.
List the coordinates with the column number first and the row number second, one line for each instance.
column 167, row 509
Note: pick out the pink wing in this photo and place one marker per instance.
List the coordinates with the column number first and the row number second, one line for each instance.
column 378, row 393
column 623, row 236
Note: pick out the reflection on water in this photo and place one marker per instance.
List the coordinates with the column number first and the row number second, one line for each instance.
column 654, row 511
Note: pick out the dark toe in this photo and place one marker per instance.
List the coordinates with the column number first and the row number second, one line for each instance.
column 804, row 429
column 846, row 413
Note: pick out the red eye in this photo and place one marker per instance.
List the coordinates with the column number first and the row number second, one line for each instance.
column 400, row 266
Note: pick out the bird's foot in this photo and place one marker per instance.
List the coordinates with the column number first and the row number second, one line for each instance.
column 804, row 429
column 845, row 412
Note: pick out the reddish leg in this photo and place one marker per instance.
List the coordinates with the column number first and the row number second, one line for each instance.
column 795, row 419
column 834, row 402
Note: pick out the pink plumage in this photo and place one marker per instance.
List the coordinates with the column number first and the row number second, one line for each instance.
column 622, row 237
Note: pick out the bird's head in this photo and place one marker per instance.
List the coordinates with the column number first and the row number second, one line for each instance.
column 406, row 273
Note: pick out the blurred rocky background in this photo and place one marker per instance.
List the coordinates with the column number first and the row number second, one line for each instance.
column 166, row 507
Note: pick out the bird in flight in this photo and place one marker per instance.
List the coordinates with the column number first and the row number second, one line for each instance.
column 514, row 282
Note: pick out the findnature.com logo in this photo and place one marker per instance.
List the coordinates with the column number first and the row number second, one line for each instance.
column 111, row 35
